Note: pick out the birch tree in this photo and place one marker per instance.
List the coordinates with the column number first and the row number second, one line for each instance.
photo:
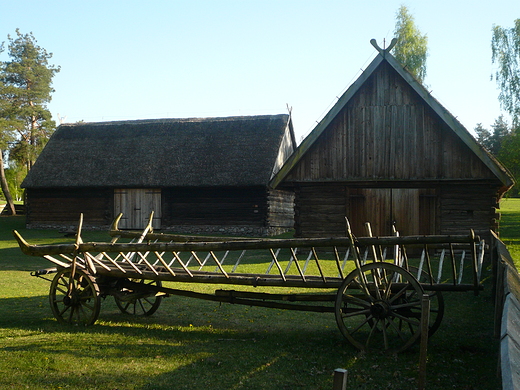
column 411, row 49
column 505, row 53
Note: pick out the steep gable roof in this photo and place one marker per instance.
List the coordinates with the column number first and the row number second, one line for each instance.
column 231, row 151
column 383, row 58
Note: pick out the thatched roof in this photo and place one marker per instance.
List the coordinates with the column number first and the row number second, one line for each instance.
column 232, row 151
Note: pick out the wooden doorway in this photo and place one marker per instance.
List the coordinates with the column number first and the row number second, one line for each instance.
column 136, row 206
column 413, row 210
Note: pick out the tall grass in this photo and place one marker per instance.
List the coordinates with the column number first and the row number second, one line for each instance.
column 192, row 344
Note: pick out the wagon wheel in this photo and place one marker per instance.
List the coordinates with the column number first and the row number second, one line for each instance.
column 382, row 315
column 436, row 302
column 74, row 300
column 140, row 302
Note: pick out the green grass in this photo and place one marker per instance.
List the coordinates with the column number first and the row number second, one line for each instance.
column 510, row 227
column 193, row 344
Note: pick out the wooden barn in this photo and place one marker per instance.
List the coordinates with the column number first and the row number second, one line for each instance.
column 387, row 152
column 206, row 175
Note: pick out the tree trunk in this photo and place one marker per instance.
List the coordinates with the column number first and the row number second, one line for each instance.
column 5, row 187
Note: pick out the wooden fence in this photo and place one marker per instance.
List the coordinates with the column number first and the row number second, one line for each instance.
column 506, row 290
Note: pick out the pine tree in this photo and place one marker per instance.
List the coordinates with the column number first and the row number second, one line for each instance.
column 25, row 90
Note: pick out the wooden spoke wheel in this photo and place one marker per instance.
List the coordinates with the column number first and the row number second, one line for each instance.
column 436, row 302
column 74, row 300
column 377, row 305
column 139, row 301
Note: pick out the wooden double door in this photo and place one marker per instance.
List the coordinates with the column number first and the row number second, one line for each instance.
column 412, row 210
column 136, row 206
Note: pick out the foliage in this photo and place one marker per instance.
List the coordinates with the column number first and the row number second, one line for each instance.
column 493, row 140
column 509, row 156
column 25, row 122
column 15, row 175
column 505, row 46
column 25, row 90
column 503, row 142
column 411, row 49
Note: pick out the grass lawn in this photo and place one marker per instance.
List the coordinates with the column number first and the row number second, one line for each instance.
column 192, row 344
column 510, row 227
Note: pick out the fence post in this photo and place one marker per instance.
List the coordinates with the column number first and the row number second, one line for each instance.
column 340, row 379
column 425, row 323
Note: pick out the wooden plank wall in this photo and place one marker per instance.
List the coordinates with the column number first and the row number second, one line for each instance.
column 62, row 207
column 387, row 132
column 214, row 206
column 280, row 210
column 448, row 209
column 465, row 207
column 320, row 211
column 272, row 211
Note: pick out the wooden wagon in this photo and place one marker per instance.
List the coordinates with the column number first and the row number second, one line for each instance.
column 373, row 285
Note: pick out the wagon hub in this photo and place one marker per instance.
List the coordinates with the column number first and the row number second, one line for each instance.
column 72, row 299
column 380, row 309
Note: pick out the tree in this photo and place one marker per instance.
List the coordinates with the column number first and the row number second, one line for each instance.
column 503, row 142
column 505, row 49
column 26, row 89
column 493, row 140
column 509, row 156
column 483, row 135
column 411, row 49
column 5, row 137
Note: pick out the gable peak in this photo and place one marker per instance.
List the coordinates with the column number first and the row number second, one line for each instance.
column 385, row 50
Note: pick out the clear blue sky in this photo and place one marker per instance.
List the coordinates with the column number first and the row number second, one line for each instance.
column 123, row 60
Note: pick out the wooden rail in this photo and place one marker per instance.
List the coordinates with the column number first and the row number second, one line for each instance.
column 302, row 262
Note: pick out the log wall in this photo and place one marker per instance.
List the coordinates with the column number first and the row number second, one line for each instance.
column 241, row 211
column 60, row 208
column 465, row 207
column 321, row 209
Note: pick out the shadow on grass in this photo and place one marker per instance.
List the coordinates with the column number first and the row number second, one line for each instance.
column 163, row 352
column 191, row 344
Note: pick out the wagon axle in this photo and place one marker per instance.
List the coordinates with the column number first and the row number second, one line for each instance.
column 380, row 309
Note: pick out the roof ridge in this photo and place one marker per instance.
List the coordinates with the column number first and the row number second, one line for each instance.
column 177, row 120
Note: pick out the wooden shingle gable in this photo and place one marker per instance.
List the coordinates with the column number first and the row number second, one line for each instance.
column 447, row 123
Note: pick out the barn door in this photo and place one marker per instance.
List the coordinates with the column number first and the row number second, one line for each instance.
column 411, row 209
column 136, row 206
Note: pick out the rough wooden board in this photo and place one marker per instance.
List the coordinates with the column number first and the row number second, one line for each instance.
column 509, row 345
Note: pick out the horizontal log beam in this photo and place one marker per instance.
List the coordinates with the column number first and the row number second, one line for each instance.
column 241, row 244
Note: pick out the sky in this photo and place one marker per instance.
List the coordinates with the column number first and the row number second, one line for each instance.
column 125, row 60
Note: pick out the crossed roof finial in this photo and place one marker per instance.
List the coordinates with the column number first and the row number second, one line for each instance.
column 383, row 51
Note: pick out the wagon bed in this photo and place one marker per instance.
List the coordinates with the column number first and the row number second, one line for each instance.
column 368, row 282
